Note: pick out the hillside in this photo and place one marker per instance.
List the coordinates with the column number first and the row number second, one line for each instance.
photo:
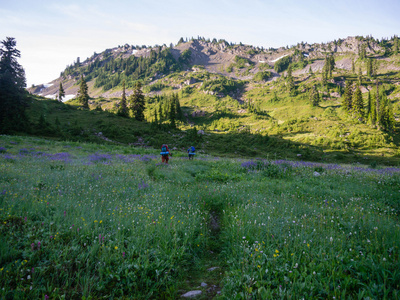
column 227, row 89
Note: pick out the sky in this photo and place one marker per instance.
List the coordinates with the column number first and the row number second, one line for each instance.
column 51, row 34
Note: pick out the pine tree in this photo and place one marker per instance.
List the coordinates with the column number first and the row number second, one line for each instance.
column 137, row 102
column 155, row 117
column 61, row 93
column 179, row 114
column 372, row 114
column 13, row 100
column 347, row 97
column 83, row 96
column 395, row 45
column 314, row 96
column 353, row 67
column 290, row 81
column 358, row 104
column 123, row 107
column 370, row 69
column 172, row 112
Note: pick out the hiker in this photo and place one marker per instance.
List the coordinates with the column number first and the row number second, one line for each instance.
column 191, row 152
column 165, row 153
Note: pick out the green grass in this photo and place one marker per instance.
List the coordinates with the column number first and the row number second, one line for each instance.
column 273, row 229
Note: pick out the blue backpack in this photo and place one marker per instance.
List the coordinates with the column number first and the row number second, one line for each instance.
column 192, row 149
column 164, row 150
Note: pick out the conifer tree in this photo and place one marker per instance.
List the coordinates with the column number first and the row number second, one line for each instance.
column 83, row 96
column 123, row 107
column 314, row 96
column 137, row 102
column 372, row 114
column 155, row 117
column 13, row 100
column 179, row 114
column 61, row 92
column 370, row 69
column 353, row 67
column 290, row 81
column 172, row 112
column 358, row 104
column 347, row 97
column 160, row 111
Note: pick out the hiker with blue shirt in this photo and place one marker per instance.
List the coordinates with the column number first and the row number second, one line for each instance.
column 165, row 153
column 191, row 152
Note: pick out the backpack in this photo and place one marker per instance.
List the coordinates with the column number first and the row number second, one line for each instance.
column 163, row 149
column 192, row 149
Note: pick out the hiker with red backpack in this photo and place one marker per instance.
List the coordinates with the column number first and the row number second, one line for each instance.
column 191, row 152
column 165, row 153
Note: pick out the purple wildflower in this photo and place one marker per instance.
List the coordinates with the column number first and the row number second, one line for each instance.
column 33, row 246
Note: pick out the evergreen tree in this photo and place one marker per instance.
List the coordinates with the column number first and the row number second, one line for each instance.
column 310, row 71
column 83, row 96
column 324, row 75
column 370, row 69
column 61, row 93
column 179, row 114
column 155, row 117
column 314, row 96
column 290, row 82
column 372, row 113
column 386, row 117
column 123, row 107
column 395, row 45
column 377, row 105
column 347, row 97
column 13, row 100
column 353, row 67
column 160, row 110
column 358, row 104
column 172, row 112
column 137, row 102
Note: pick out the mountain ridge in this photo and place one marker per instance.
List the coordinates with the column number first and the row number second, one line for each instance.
column 216, row 57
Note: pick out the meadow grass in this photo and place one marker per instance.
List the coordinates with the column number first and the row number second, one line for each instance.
column 91, row 221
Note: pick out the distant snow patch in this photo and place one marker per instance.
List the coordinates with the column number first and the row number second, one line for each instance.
column 306, row 54
column 134, row 51
column 47, row 85
column 262, row 61
column 68, row 97
column 53, row 96
column 279, row 58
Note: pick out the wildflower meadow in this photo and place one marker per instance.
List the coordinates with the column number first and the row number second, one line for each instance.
column 88, row 221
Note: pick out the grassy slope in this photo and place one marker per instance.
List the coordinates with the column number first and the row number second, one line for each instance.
column 146, row 231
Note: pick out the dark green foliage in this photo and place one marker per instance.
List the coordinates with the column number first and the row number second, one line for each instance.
column 262, row 76
column 370, row 68
column 109, row 72
column 282, row 64
column 61, row 92
column 222, row 85
column 241, row 62
column 291, row 87
column 347, row 102
column 371, row 109
column 123, row 107
column 185, row 56
column 358, row 104
column 137, row 102
column 314, row 96
column 83, row 96
column 13, row 99
column 362, row 51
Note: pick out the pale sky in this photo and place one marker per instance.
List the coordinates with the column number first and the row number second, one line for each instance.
column 51, row 34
